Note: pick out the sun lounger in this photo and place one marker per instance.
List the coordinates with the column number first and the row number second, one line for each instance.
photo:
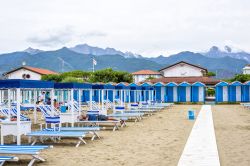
column 58, row 134
column 115, row 123
column 47, row 110
column 136, row 116
column 13, row 112
column 144, row 111
column 23, row 117
column 86, row 129
column 55, row 131
column 24, row 150
column 7, row 158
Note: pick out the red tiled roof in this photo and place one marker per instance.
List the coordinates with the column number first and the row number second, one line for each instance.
column 146, row 72
column 40, row 71
column 34, row 69
column 191, row 80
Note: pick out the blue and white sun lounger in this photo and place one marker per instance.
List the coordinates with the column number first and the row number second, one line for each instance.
column 24, row 150
column 7, row 158
column 136, row 116
column 47, row 110
column 97, row 123
column 144, row 111
column 13, row 112
column 57, row 134
column 86, row 129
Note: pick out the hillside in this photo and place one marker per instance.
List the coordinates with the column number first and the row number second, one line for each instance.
column 66, row 59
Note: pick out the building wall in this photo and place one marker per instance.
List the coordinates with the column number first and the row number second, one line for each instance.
column 140, row 78
column 246, row 70
column 19, row 75
column 182, row 70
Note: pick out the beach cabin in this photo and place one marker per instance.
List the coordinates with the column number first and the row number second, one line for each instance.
column 160, row 91
column 110, row 88
column 171, row 92
column 221, row 92
column 123, row 96
column 135, row 92
column 184, row 92
column 198, row 92
column 234, row 91
column 147, row 92
column 15, row 89
column 103, row 95
column 246, row 92
column 63, row 91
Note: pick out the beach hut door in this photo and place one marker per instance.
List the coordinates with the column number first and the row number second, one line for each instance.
column 201, row 94
column 238, row 93
column 225, row 93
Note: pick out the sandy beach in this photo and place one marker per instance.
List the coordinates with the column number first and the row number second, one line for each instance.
column 232, row 129
column 156, row 140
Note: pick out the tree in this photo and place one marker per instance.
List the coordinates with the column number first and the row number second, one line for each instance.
column 105, row 76
column 52, row 77
column 150, row 78
column 109, row 75
column 72, row 79
column 84, row 75
column 211, row 74
column 241, row 77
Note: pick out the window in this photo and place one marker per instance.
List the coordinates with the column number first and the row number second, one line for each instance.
column 26, row 76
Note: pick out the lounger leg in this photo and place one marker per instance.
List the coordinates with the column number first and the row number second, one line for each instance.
column 29, row 139
column 81, row 140
column 95, row 135
column 115, row 127
column 2, row 139
column 34, row 142
column 35, row 157
column 2, row 163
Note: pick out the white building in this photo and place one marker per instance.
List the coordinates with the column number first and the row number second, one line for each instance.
column 246, row 69
column 142, row 75
column 183, row 69
column 27, row 72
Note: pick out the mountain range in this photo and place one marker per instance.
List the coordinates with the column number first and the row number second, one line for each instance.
column 225, row 63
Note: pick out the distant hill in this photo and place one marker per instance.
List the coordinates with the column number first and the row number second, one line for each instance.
column 65, row 59
column 80, row 58
column 225, row 67
column 216, row 52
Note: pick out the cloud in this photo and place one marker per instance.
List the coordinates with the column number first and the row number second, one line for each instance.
column 147, row 27
column 60, row 37
column 51, row 38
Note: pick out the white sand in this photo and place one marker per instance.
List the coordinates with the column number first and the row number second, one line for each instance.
column 232, row 129
column 157, row 140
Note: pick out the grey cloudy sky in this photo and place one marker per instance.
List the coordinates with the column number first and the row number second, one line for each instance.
column 147, row 27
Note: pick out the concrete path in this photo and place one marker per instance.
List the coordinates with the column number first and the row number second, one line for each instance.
column 201, row 147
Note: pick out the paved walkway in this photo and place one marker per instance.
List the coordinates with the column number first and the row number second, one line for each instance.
column 201, row 147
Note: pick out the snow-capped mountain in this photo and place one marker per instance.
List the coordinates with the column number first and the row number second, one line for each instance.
column 216, row 52
column 32, row 51
column 97, row 51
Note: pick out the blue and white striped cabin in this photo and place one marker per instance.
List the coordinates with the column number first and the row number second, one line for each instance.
column 221, row 92
column 246, row 92
column 234, row 91
column 160, row 90
column 198, row 92
column 184, row 92
column 171, row 92
column 146, row 88
column 135, row 91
